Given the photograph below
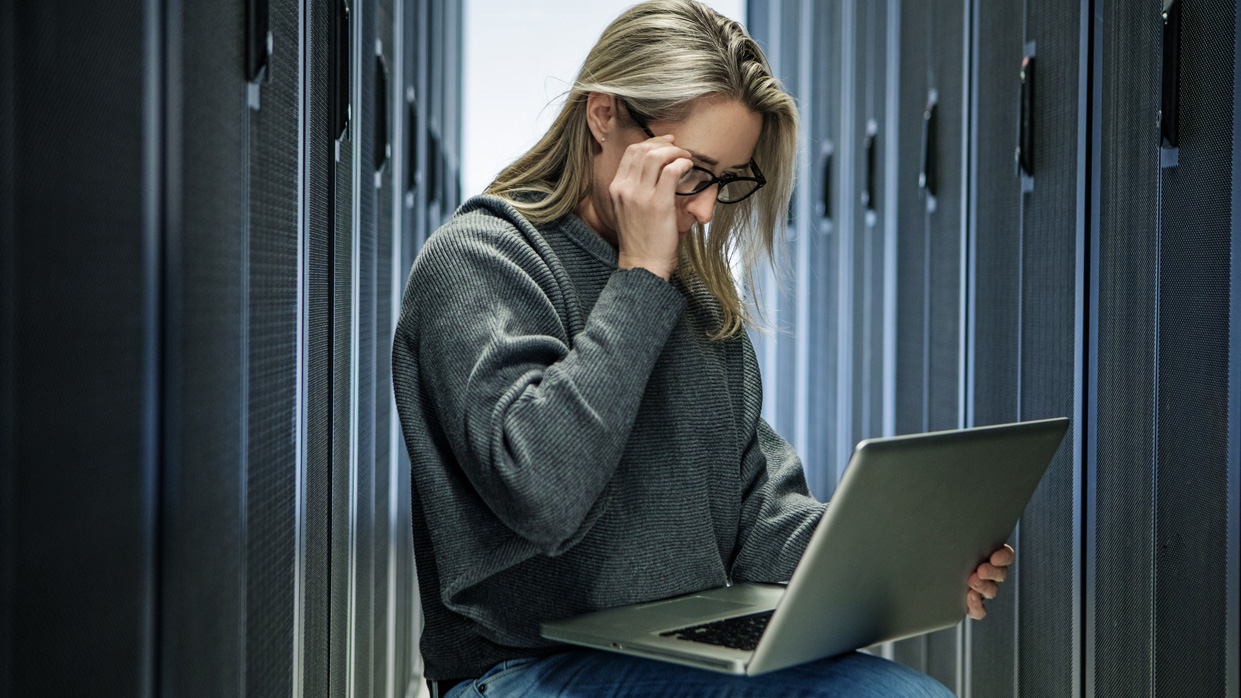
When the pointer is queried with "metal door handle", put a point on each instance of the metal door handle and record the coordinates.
(1170, 102)
(926, 179)
(383, 139)
(827, 185)
(868, 193)
(341, 110)
(258, 40)
(1025, 135)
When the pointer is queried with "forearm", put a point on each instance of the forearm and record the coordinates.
(543, 426)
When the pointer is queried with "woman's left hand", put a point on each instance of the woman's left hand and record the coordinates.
(984, 582)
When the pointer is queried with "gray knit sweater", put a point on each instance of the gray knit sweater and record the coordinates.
(576, 441)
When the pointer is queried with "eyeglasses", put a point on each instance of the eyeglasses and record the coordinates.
(732, 189)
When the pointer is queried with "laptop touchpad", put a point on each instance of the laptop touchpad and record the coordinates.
(696, 607)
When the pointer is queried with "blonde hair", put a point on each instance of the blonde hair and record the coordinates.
(659, 56)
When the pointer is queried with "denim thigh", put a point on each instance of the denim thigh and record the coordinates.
(583, 673)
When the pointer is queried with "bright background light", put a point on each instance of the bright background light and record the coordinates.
(519, 58)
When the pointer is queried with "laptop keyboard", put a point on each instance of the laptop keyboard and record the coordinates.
(739, 633)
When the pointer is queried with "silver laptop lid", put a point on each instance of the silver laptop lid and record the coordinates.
(912, 517)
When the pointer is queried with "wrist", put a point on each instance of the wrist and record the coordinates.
(662, 270)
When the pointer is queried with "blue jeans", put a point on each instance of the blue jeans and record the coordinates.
(583, 673)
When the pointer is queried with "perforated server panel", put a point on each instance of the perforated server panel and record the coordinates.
(1048, 624)
(1161, 465)
(824, 193)
(203, 554)
(930, 284)
(343, 389)
(272, 429)
(997, 263)
(869, 141)
(80, 278)
(320, 229)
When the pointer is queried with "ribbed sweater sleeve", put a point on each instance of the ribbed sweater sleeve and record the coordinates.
(778, 513)
(537, 416)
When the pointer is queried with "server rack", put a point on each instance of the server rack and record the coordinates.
(1027, 231)
(931, 248)
(821, 207)
(80, 361)
(1161, 330)
(203, 247)
(1065, 194)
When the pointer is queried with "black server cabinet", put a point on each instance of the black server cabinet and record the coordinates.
(930, 247)
(382, 58)
(996, 236)
(781, 295)
(410, 159)
(1162, 593)
(344, 17)
(361, 560)
(822, 218)
(79, 405)
(203, 553)
(799, 351)
(776, 25)
(1026, 320)
(869, 141)
(272, 425)
(323, 130)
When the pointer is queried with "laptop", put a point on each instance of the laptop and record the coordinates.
(912, 517)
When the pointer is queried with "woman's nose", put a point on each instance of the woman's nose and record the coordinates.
(701, 205)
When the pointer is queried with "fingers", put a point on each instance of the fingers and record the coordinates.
(973, 602)
(645, 167)
(645, 161)
(987, 588)
(672, 173)
(989, 571)
(1004, 556)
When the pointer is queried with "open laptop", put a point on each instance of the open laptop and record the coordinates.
(912, 517)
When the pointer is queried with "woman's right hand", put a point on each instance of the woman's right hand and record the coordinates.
(644, 204)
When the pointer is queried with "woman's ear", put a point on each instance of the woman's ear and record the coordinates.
(601, 115)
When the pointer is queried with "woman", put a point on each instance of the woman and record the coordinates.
(577, 391)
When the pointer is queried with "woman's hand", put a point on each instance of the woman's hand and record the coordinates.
(644, 204)
(984, 582)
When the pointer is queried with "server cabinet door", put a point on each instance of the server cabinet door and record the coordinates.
(1161, 466)
(273, 370)
(383, 59)
(79, 352)
(820, 255)
(931, 232)
(996, 233)
(869, 139)
(205, 352)
(321, 424)
(1027, 320)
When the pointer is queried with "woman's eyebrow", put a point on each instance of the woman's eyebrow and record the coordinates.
(715, 163)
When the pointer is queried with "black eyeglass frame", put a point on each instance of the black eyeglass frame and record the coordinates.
(723, 180)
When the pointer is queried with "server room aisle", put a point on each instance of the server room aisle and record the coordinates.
(1006, 210)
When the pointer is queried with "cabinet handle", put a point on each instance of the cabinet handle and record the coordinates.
(926, 179)
(258, 40)
(1025, 131)
(433, 167)
(383, 139)
(868, 193)
(411, 162)
(1170, 102)
(341, 110)
(827, 184)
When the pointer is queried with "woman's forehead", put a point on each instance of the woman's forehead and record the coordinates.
(719, 132)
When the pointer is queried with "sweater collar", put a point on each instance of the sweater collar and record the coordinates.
(586, 238)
